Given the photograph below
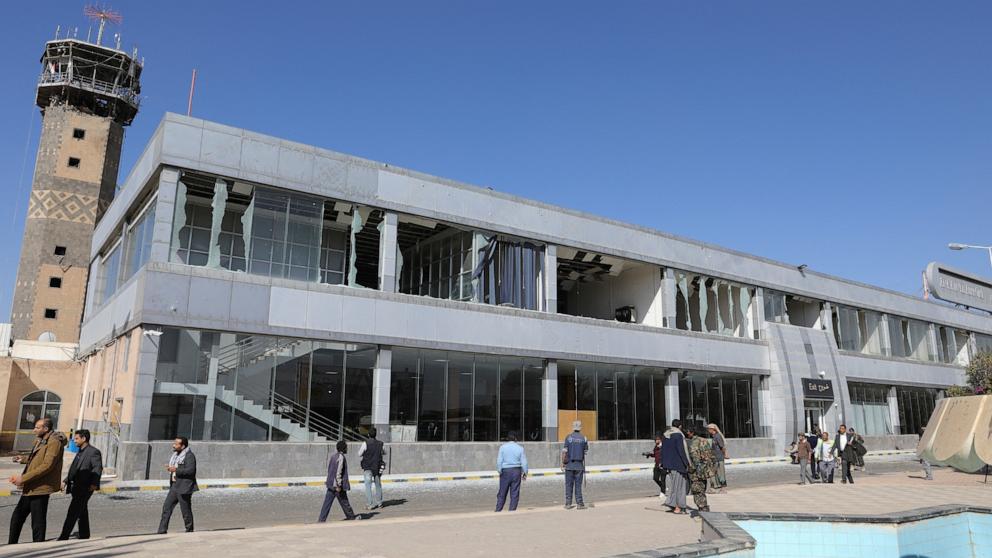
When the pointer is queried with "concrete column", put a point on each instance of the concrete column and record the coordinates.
(672, 397)
(886, 339)
(761, 406)
(208, 411)
(380, 392)
(827, 318)
(933, 343)
(972, 347)
(550, 281)
(758, 312)
(165, 208)
(669, 292)
(549, 401)
(893, 400)
(144, 386)
(387, 253)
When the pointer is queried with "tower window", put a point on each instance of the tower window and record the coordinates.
(60, 250)
(55, 282)
(78, 133)
(74, 162)
(51, 313)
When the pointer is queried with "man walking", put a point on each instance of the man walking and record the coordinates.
(804, 454)
(511, 465)
(719, 448)
(701, 466)
(337, 484)
(844, 447)
(675, 459)
(573, 461)
(40, 479)
(927, 468)
(825, 457)
(182, 485)
(371, 455)
(81, 482)
(814, 438)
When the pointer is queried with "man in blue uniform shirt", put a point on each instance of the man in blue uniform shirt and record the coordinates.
(511, 464)
(573, 462)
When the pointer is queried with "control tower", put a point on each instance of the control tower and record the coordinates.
(87, 93)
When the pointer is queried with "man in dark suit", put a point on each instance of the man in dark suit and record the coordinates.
(81, 482)
(182, 485)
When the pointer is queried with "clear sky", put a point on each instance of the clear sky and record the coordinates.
(853, 136)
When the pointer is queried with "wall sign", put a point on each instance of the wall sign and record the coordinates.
(818, 389)
(958, 287)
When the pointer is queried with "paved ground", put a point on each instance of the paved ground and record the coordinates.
(138, 512)
(611, 527)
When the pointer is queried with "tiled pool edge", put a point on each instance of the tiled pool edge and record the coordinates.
(721, 536)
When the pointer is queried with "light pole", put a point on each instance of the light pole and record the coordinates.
(957, 246)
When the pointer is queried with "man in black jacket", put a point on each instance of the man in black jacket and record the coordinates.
(182, 485)
(373, 464)
(81, 482)
(844, 447)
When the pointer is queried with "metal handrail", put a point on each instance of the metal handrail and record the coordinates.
(100, 86)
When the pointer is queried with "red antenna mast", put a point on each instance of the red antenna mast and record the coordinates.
(103, 14)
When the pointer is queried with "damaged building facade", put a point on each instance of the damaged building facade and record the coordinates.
(263, 297)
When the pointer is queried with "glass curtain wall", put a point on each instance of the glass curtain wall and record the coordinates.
(139, 242)
(870, 327)
(627, 402)
(508, 272)
(311, 387)
(723, 399)
(870, 409)
(915, 407)
(847, 328)
(438, 396)
(440, 266)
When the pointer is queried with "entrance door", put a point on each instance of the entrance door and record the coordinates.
(814, 416)
(34, 406)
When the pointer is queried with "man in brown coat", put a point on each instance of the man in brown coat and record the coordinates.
(41, 478)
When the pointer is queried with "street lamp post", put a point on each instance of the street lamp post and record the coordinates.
(957, 246)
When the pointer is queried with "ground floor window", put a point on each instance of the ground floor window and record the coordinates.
(723, 399)
(915, 407)
(613, 402)
(438, 396)
(176, 415)
(869, 409)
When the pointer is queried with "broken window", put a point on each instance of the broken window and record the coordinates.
(436, 259)
(442, 261)
(917, 338)
(265, 231)
(847, 330)
(870, 331)
(712, 305)
(608, 288)
(775, 308)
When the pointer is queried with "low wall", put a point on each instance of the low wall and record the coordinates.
(147, 460)
(892, 442)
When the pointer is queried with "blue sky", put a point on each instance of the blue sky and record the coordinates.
(852, 136)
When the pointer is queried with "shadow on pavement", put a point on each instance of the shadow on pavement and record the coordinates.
(71, 550)
(395, 502)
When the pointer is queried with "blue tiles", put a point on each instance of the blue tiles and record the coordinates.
(962, 535)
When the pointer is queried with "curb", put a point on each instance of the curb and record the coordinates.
(412, 479)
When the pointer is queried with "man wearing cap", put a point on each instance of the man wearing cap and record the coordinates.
(573, 462)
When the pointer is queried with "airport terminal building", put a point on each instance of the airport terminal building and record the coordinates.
(263, 297)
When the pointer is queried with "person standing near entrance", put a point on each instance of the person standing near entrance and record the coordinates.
(42, 477)
(804, 454)
(825, 457)
(675, 459)
(81, 482)
(182, 485)
(573, 461)
(511, 465)
(373, 464)
(844, 447)
(337, 485)
(718, 481)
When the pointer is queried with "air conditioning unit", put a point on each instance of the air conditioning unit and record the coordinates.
(626, 314)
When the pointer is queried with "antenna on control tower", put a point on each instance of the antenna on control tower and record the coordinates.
(103, 14)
